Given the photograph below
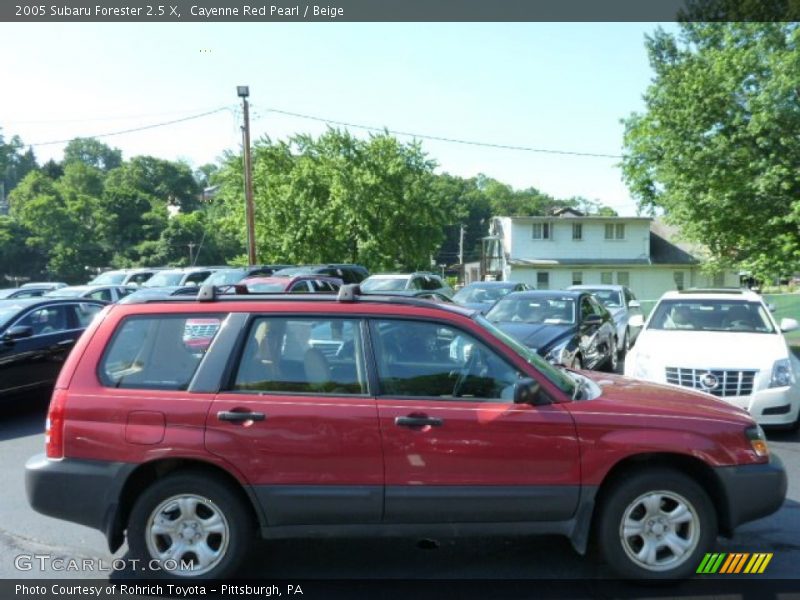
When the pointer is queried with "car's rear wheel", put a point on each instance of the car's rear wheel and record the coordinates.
(656, 525)
(190, 525)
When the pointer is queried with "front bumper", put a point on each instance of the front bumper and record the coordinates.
(772, 406)
(751, 491)
(76, 490)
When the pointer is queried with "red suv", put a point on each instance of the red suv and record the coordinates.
(322, 415)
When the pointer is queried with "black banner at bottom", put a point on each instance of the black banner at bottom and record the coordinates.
(418, 589)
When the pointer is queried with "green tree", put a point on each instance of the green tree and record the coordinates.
(92, 153)
(17, 258)
(15, 162)
(338, 198)
(718, 148)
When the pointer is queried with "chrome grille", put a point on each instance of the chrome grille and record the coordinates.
(719, 382)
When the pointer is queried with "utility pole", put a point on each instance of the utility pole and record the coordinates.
(244, 91)
(461, 269)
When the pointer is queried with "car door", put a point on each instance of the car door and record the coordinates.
(297, 421)
(34, 362)
(456, 448)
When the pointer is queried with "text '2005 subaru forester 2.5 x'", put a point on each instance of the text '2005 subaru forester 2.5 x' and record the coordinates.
(191, 426)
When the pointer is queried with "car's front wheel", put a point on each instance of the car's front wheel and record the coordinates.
(656, 525)
(190, 525)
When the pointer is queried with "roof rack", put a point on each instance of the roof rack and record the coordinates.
(347, 293)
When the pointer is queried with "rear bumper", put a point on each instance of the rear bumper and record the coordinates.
(752, 491)
(81, 491)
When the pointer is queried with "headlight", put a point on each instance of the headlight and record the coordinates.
(782, 374)
(758, 441)
(556, 353)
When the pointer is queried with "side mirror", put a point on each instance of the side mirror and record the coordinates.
(634, 304)
(789, 324)
(526, 391)
(771, 307)
(636, 321)
(17, 333)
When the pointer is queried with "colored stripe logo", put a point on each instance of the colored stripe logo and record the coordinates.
(734, 563)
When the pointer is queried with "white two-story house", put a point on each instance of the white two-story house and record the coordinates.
(569, 248)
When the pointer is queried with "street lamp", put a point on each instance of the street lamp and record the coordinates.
(243, 92)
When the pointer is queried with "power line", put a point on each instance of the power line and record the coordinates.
(440, 138)
(133, 130)
(96, 119)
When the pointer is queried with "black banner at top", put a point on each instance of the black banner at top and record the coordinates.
(397, 10)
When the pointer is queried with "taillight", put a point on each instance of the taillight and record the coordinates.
(54, 426)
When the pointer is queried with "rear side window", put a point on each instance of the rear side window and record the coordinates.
(309, 355)
(85, 312)
(160, 352)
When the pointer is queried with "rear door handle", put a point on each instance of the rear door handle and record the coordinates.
(235, 416)
(418, 421)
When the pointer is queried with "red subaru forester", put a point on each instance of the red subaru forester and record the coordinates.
(322, 415)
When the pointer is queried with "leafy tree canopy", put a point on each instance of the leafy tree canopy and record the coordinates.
(718, 147)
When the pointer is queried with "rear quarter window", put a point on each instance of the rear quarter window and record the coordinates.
(157, 351)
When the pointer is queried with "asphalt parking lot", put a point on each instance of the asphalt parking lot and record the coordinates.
(526, 561)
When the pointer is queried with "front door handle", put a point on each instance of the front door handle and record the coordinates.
(235, 416)
(418, 421)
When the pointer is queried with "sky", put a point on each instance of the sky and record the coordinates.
(554, 86)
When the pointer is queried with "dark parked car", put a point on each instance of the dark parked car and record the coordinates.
(625, 309)
(567, 328)
(36, 335)
(348, 273)
(481, 295)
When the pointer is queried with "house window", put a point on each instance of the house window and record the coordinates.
(678, 277)
(577, 278)
(623, 278)
(719, 280)
(542, 280)
(615, 231)
(542, 231)
(577, 231)
(606, 277)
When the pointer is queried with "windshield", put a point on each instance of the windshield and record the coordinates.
(384, 284)
(711, 315)
(549, 310)
(164, 279)
(609, 298)
(8, 310)
(226, 277)
(558, 377)
(109, 278)
(482, 295)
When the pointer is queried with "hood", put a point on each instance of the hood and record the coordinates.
(541, 336)
(710, 349)
(632, 396)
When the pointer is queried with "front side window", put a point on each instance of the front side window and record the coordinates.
(104, 294)
(417, 358)
(85, 312)
(160, 352)
(46, 320)
(311, 355)
(384, 284)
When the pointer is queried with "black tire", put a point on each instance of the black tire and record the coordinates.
(612, 360)
(648, 549)
(185, 503)
(624, 346)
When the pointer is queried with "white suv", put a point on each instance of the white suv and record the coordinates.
(725, 343)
